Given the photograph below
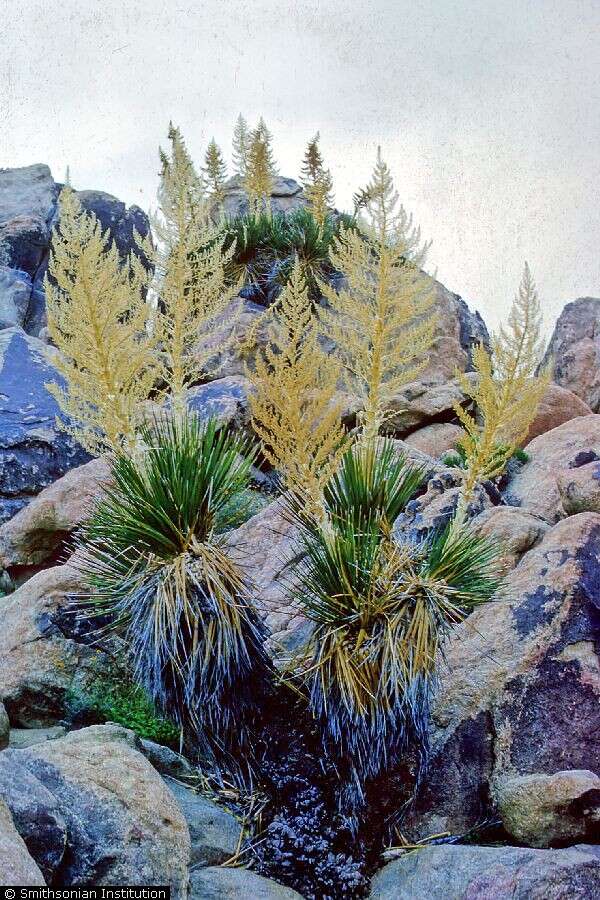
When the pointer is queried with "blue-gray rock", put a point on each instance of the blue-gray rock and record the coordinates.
(33, 452)
(28, 212)
(501, 873)
(225, 884)
(214, 833)
(574, 350)
(287, 195)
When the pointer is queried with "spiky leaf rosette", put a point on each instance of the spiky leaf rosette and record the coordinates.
(381, 612)
(160, 577)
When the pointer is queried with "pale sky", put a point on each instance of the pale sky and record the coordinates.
(488, 113)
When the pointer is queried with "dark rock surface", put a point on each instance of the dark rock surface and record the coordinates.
(35, 811)
(28, 212)
(33, 452)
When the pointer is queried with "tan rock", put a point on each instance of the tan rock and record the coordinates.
(535, 487)
(123, 824)
(515, 530)
(543, 810)
(16, 865)
(435, 439)
(38, 664)
(261, 546)
(418, 402)
(32, 536)
(558, 405)
(579, 488)
(574, 350)
(519, 684)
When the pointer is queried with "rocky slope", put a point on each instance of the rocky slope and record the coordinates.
(516, 722)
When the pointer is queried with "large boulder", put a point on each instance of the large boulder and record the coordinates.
(514, 530)
(33, 452)
(536, 485)
(27, 208)
(226, 884)
(519, 692)
(430, 399)
(40, 528)
(41, 667)
(28, 212)
(574, 350)
(286, 196)
(436, 439)
(116, 819)
(545, 810)
(457, 330)
(491, 873)
(262, 546)
(36, 813)
(557, 405)
(16, 865)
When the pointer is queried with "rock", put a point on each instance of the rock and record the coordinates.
(435, 439)
(421, 401)
(40, 528)
(457, 330)
(287, 195)
(15, 293)
(237, 321)
(115, 217)
(558, 405)
(225, 399)
(214, 833)
(491, 873)
(519, 685)
(535, 487)
(39, 666)
(574, 350)
(261, 547)
(165, 760)
(515, 530)
(16, 865)
(28, 212)
(36, 813)
(123, 825)
(545, 810)
(33, 452)
(4, 727)
(579, 488)
(21, 738)
(221, 884)
(27, 207)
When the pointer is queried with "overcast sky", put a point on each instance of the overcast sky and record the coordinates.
(487, 112)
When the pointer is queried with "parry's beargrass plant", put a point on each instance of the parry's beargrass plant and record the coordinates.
(381, 611)
(159, 576)
(506, 394)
